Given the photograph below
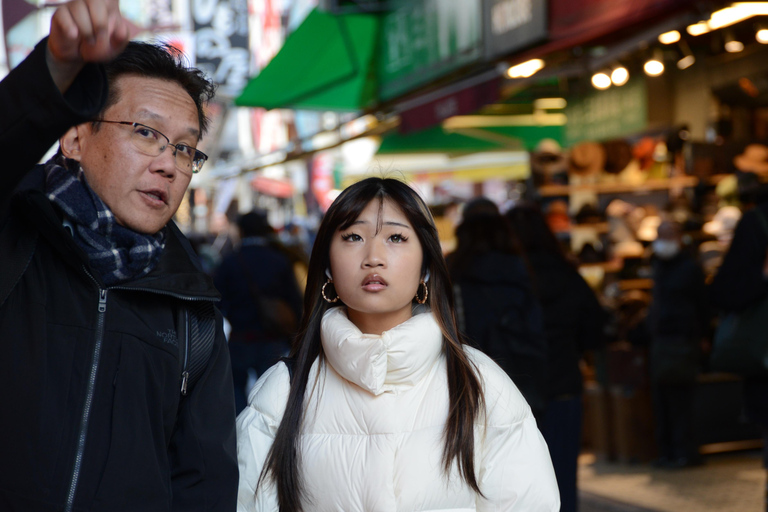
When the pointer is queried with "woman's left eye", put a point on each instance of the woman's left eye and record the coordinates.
(397, 238)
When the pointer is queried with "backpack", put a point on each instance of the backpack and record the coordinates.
(198, 320)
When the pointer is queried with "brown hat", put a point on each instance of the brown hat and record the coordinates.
(753, 159)
(587, 158)
(618, 154)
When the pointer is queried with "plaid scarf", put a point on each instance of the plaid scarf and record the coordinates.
(117, 253)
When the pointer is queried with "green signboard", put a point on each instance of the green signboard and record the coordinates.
(609, 114)
(424, 39)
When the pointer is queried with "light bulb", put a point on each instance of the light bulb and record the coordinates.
(601, 81)
(619, 76)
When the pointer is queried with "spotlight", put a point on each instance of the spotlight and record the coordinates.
(619, 76)
(687, 59)
(731, 44)
(655, 65)
(670, 37)
(601, 80)
(526, 69)
(762, 36)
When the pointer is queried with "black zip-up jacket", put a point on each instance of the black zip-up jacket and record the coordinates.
(90, 376)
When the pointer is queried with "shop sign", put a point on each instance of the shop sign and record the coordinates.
(576, 17)
(464, 101)
(426, 39)
(221, 33)
(604, 115)
(510, 25)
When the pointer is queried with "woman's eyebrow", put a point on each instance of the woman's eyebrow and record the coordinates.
(394, 223)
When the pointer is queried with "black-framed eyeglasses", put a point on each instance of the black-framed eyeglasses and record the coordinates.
(152, 142)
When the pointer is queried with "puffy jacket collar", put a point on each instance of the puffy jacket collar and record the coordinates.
(177, 274)
(393, 362)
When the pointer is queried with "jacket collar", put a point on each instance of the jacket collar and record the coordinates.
(178, 272)
(393, 362)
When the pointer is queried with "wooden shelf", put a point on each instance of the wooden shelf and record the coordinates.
(618, 188)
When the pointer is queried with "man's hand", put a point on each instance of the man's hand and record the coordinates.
(84, 31)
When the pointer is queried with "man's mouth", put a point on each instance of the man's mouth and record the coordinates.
(157, 195)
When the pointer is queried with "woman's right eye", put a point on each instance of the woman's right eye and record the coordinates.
(351, 237)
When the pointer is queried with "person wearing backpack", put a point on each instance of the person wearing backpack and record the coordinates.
(260, 298)
(573, 324)
(115, 376)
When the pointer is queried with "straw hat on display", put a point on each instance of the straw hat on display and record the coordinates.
(618, 154)
(587, 159)
(753, 159)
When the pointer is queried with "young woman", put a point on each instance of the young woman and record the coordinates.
(383, 407)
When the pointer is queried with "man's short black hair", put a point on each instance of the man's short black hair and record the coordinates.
(165, 62)
(254, 223)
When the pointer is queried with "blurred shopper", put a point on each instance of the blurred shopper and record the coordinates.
(112, 398)
(495, 303)
(573, 323)
(382, 406)
(677, 322)
(740, 282)
(260, 298)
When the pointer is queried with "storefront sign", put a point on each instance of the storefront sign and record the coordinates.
(221, 31)
(577, 17)
(604, 115)
(425, 39)
(509, 25)
(464, 101)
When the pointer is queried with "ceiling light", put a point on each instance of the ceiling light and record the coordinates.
(655, 65)
(732, 45)
(670, 37)
(526, 69)
(601, 80)
(549, 103)
(698, 29)
(619, 76)
(762, 36)
(687, 59)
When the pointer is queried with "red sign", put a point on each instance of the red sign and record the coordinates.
(569, 18)
(464, 101)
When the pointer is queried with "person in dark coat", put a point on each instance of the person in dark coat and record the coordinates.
(259, 267)
(677, 320)
(100, 410)
(497, 308)
(573, 324)
(741, 281)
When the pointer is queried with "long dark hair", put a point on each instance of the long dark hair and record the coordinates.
(464, 389)
(532, 231)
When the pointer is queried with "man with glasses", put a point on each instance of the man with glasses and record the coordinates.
(115, 375)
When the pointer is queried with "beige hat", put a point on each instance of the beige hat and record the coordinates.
(754, 159)
(587, 158)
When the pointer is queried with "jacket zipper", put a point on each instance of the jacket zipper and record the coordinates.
(88, 400)
(184, 372)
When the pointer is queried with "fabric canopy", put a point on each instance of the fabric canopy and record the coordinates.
(436, 139)
(325, 64)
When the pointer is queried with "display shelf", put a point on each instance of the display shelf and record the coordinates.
(618, 188)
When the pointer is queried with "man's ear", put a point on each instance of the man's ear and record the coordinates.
(70, 143)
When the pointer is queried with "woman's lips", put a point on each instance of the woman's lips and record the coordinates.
(374, 283)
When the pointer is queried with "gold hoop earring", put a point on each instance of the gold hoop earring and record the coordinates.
(322, 292)
(426, 293)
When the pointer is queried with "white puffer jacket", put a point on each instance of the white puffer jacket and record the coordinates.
(372, 438)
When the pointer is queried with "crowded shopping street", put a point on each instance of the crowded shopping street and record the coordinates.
(384, 255)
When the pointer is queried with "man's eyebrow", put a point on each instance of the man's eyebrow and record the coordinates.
(156, 117)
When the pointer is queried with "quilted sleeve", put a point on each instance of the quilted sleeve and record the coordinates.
(514, 467)
(256, 428)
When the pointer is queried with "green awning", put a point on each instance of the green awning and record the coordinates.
(325, 64)
(436, 139)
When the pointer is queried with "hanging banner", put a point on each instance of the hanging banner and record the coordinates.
(221, 34)
(510, 25)
(426, 39)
